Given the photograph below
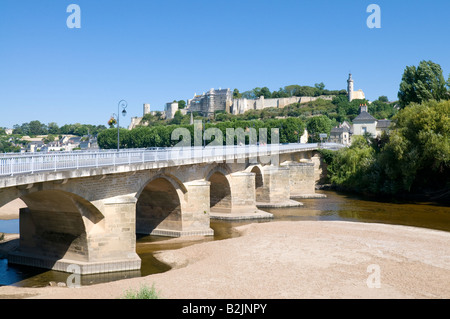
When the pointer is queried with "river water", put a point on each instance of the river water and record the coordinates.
(336, 206)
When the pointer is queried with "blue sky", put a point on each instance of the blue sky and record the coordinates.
(157, 51)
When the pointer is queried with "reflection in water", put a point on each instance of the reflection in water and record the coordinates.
(352, 208)
(335, 207)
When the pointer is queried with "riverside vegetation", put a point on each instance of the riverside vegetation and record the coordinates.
(414, 158)
(144, 292)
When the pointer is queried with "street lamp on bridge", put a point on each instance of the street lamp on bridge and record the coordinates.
(122, 104)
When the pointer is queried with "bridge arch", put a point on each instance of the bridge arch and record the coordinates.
(220, 189)
(259, 177)
(159, 205)
(56, 224)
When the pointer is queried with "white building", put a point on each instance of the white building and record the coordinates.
(340, 135)
(352, 94)
(364, 123)
(383, 126)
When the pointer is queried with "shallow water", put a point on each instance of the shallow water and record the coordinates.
(335, 207)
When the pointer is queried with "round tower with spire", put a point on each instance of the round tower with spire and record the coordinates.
(350, 87)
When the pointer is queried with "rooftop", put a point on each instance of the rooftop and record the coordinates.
(383, 123)
(364, 117)
(339, 130)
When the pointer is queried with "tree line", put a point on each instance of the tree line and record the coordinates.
(290, 130)
(415, 156)
(34, 128)
(288, 91)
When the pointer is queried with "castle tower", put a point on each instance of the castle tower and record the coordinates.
(146, 109)
(170, 109)
(350, 87)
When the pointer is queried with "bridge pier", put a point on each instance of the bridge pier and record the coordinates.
(302, 181)
(196, 213)
(276, 191)
(166, 208)
(242, 202)
(76, 235)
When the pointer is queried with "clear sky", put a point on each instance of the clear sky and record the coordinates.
(158, 51)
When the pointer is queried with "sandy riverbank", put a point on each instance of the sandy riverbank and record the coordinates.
(305, 259)
(11, 210)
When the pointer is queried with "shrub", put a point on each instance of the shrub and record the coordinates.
(143, 293)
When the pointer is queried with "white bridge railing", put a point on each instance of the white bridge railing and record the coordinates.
(26, 163)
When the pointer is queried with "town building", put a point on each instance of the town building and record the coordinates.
(383, 126)
(364, 123)
(340, 135)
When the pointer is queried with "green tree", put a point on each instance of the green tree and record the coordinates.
(53, 128)
(280, 94)
(249, 95)
(319, 88)
(177, 118)
(381, 109)
(383, 99)
(349, 166)
(262, 92)
(423, 83)
(181, 104)
(292, 129)
(49, 138)
(236, 94)
(305, 91)
(107, 139)
(37, 128)
(317, 125)
(418, 152)
(291, 90)
(8, 147)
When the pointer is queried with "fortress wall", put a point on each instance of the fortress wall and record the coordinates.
(240, 106)
(271, 103)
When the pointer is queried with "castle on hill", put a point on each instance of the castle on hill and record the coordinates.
(214, 100)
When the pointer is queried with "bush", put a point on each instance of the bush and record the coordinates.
(143, 293)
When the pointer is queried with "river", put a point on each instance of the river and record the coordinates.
(336, 206)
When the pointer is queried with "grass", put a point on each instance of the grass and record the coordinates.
(144, 292)
(2, 236)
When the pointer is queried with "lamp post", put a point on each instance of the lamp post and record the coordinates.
(204, 131)
(124, 105)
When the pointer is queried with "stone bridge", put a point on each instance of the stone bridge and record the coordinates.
(86, 208)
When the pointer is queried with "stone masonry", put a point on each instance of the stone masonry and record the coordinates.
(89, 217)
